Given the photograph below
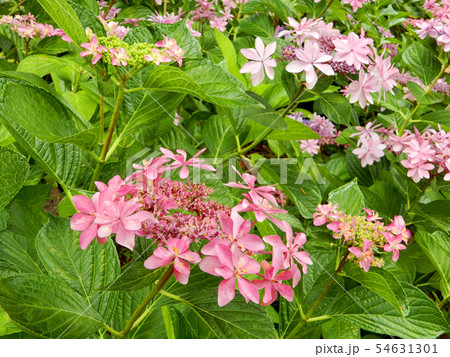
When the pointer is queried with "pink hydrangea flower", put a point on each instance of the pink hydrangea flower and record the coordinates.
(365, 255)
(83, 220)
(180, 160)
(324, 212)
(355, 4)
(272, 282)
(120, 217)
(157, 57)
(393, 245)
(119, 57)
(177, 251)
(220, 23)
(353, 50)
(260, 60)
(398, 228)
(307, 59)
(238, 231)
(419, 170)
(255, 193)
(94, 49)
(359, 91)
(370, 150)
(310, 146)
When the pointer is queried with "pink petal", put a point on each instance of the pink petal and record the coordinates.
(83, 204)
(210, 264)
(250, 54)
(80, 221)
(248, 290)
(226, 291)
(87, 236)
(285, 291)
(125, 237)
(154, 262)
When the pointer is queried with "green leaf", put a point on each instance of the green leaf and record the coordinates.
(282, 8)
(235, 320)
(349, 198)
(134, 277)
(294, 131)
(336, 107)
(441, 117)
(219, 136)
(365, 309)
(355, 169)
(21, 252)
(229, 52)
(257, 25)
(7, 327)
(203, 80)
(66, 18)
(42, 65)
(47, 307)
(436, 246)
(13, 173)
(422, 96)
(422, 62)
(83, 104)
(382, 283)
(383, 198)
(83, 270)
(437, 213)
(340, 330)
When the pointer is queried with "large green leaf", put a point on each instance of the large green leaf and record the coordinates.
(13, 173)
(364, 308)
(229, 52)
(41, 65)
(257, 25)
(21, 252)
(235, 320)
(83, 270)
(294, 131)
(422, 62)
(43, 116)
(66, 18)
(336, 107)
(219, 136)
(282, 8)
(437, 213)
(7, 327)
(203, 80)
(349, 198)
(437, 248)
(47, 307)
(340, 330)
(382, 283)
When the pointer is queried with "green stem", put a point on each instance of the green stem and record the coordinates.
(114, 332)
(237, 18)
(443, 302)
(109, 8)
(319, 300)
(146, 301)
(102, 118)
(319, 318)
(432, 176)
(323, 11)
(109, 135)
(165, 7)
(15, 7)
(77, 82)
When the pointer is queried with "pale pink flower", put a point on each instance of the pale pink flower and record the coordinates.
(261, 59)
(418, 170)
(238, 233)
(359, 91)
(385, 73)
(232, 266)
(180, 160)
(84, 219)
(393, 245)
(353, 50)
(157, 57)
(220, 23)
(119, 57)
(255, 193)
(307, 59)
(94, 49)
(120, 217)
(194, 33)
(177, 250)
(291, 251)
(261, 207)
(324, 212)
(365, 255)
(310, 146)
(418, 151)
(303, 30)
(272, 282)
(370, 150)
(444, 38)
(355, 4)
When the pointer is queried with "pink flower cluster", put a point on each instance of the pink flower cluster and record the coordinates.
(427, 154)
(165, 51)
(364, 235)
(27, 27)
(174, 215)
(438, 27)
(322, 126)
(319, 48)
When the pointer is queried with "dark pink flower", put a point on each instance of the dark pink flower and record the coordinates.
(180, 160)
